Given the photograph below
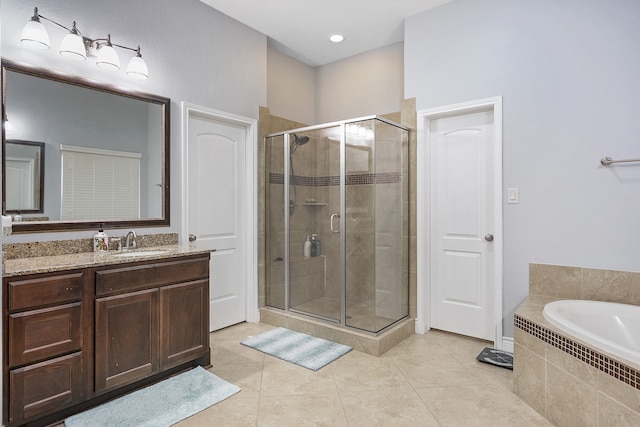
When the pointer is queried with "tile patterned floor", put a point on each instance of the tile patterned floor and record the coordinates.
(427, 380)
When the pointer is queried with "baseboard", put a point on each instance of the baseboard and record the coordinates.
(507, 344)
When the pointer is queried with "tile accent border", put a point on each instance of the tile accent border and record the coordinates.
(599, 361)
(327, 181)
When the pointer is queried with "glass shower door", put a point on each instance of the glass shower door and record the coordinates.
(376, 202)
(314, 200)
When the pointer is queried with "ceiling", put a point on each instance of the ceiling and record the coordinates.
(301, 28)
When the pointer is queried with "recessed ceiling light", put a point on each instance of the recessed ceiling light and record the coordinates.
(336, 38)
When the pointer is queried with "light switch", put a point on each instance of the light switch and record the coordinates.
(512, 196)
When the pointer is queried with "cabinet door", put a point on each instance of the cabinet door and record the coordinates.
(126, 338)
(44, 388)
(184, 321)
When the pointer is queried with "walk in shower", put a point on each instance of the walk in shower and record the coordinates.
(345, 187)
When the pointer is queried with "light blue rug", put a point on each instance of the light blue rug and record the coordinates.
(295, 347)
(160, 405)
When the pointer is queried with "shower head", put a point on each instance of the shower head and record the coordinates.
(298, 141)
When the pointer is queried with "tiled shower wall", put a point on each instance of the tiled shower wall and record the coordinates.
(391, 192)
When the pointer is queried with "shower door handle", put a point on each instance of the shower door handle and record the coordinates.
(333, 230)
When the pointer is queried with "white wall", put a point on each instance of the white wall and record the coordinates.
(290, 88)
(569, 72)
(194, 54)
(365, 84)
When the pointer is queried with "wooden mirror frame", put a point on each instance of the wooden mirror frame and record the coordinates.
(38, 180)
(53, 226)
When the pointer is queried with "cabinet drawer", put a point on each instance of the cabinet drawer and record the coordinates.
(40, 334)
(43, 388)
(39, 291)
(149, 275)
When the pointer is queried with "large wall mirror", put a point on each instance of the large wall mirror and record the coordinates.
(106, 152)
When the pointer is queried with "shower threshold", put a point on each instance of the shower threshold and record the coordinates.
(366, 342)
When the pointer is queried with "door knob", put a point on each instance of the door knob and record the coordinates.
(489, 237)
(192, 237)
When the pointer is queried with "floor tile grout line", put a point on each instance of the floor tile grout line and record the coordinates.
(413, 353)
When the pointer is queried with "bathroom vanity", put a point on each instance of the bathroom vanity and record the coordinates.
(81, 329)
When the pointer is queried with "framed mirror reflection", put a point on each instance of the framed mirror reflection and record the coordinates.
(106, 152)
(24, 172)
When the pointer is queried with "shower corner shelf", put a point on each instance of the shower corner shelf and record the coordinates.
(314, 204)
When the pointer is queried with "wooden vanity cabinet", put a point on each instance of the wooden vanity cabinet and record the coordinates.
(45, 337)
(149, 318)
(76, 338)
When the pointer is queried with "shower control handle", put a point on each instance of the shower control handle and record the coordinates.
(334, 230)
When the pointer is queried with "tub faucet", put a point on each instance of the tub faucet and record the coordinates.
(130, 241)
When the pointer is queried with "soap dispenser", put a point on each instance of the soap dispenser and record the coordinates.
(315, 245)
(100, 240)
(307, 247)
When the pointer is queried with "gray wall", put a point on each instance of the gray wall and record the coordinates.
(194, 54)
(569, 74)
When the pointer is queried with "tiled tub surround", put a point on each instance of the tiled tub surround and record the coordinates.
(568, 381)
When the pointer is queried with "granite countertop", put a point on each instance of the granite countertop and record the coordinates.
(51, 263)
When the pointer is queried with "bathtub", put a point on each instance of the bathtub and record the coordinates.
(612, 327)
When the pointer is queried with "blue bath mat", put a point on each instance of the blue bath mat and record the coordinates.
(302, 349)
(160, 405)
(504, 359)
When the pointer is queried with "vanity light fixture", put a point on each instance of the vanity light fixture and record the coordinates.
(34, 34)
(107, 56)
(73, 46)
(76, 46)
(137, 68)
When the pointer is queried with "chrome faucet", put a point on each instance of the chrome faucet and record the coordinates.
(130, 241)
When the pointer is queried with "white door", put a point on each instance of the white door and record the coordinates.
(461, 226)
(216, 169)
(19, 176)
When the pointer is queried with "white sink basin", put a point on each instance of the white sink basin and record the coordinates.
(135, 254)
